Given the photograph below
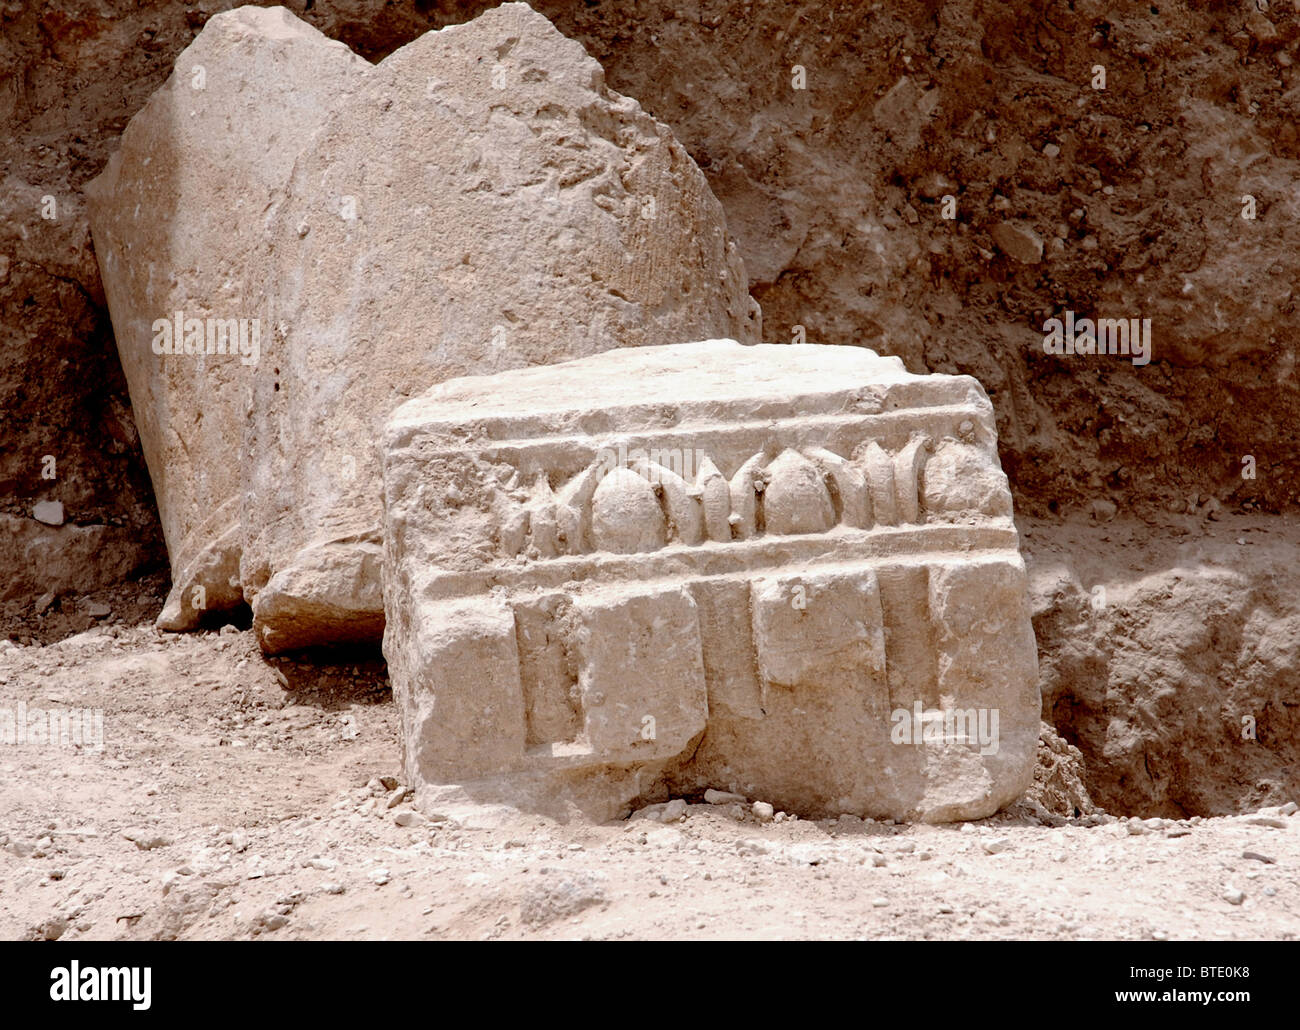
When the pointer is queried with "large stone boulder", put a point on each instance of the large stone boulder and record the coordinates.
(786, 571)
(477, 201)
(176, 215)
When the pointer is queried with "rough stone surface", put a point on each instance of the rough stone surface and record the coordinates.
(481, 203)
(176, 214)
(1018, 241)
(559, 897)
(59, 559)
(1169, 657)
(477, 201)
(728, 568)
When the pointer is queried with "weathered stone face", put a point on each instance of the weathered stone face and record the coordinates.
(176, 215)
(477, 201)
(785, 571)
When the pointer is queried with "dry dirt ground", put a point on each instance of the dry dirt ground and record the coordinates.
(236, 798)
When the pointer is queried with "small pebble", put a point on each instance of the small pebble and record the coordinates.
(674, 811)
(49, 512)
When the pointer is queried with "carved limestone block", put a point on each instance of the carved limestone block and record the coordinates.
(787, 571)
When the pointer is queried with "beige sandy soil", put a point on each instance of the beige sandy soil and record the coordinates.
(237, 799)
